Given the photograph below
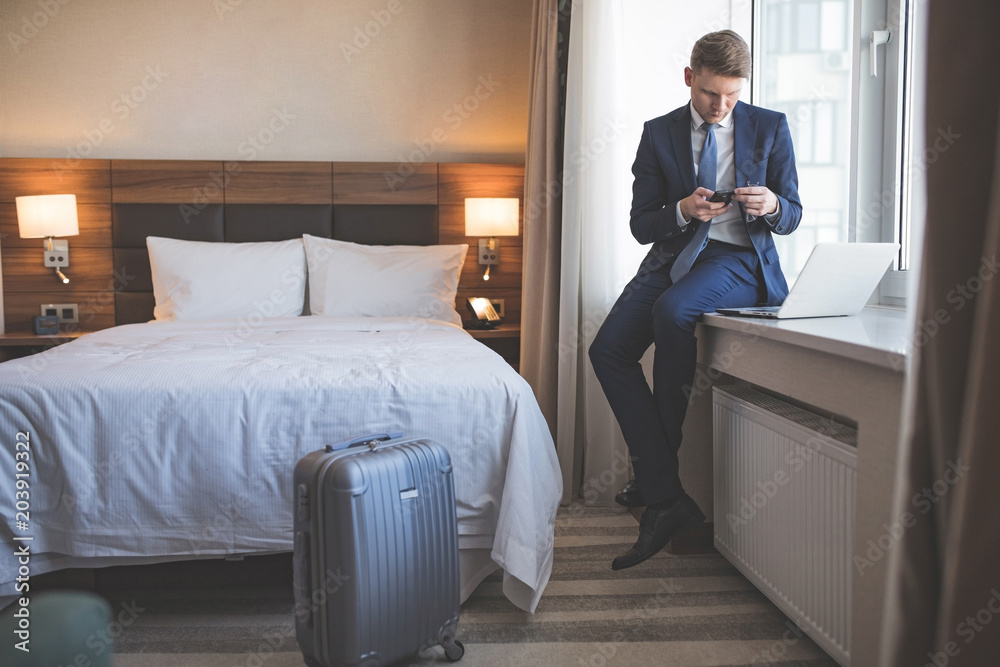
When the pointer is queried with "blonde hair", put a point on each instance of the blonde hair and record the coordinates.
(723, 53)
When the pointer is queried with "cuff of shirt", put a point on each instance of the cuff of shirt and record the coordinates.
(681, 222)
(772, 218)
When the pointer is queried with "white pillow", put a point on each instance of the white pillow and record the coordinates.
(347, 279)
(195, 280)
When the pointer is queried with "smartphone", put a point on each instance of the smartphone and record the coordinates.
(724, 196)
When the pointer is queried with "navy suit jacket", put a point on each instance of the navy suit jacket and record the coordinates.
(664, 174)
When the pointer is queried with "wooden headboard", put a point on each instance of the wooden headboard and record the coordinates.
(119, 202)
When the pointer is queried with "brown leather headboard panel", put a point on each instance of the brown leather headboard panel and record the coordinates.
(132, 223)
(405, 224)
(133, 307)
(132, 265)
(277, 222)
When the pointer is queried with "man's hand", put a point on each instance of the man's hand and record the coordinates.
(757, 200)
(696, 205)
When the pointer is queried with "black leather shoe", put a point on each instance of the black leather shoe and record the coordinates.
(630, 496)
(657, 527)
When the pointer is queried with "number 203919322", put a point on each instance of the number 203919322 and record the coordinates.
(22, 473)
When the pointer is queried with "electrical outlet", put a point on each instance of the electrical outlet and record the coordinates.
(68, 313)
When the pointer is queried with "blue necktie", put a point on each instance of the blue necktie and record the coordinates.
(707, 166)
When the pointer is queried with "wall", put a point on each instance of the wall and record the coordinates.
(366, 80)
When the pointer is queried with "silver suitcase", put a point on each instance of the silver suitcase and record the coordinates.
(376, 552)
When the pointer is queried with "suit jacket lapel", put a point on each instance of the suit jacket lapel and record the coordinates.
(680, 136)
(744, 131)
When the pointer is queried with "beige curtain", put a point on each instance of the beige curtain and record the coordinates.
(943, 593)
(543, 212)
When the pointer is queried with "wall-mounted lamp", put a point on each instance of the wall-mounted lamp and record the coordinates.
(46, 216)
(492, 218)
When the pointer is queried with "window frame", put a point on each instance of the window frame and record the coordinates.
(880, 151)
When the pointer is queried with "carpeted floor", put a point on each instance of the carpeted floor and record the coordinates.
(692, 610)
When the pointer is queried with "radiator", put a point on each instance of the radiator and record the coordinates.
(784, 508)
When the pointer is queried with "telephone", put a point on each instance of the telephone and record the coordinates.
(485, 314)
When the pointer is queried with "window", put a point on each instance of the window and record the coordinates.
(852, 131)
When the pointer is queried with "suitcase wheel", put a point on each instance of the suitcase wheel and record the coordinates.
(453, 649)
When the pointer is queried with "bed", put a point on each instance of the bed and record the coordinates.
(176, 438)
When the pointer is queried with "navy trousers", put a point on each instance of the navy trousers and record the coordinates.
(654, 311)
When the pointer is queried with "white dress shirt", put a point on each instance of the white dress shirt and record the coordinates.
(728, 227)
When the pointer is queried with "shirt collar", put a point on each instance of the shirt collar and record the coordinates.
(697, 120)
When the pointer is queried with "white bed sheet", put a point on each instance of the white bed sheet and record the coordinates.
(178, 439)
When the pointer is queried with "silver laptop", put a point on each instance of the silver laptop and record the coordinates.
(837, 279)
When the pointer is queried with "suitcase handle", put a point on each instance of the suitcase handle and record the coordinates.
(371, 440)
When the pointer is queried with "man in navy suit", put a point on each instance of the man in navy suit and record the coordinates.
(705, 255)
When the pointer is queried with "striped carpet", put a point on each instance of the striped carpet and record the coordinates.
(694, 610)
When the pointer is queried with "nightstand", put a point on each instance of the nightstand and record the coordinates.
(505, 340)
(24, 343)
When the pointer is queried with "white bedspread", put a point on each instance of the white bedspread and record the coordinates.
(178, 439)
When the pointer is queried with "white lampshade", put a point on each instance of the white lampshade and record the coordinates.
(491, 217)
(47, 215)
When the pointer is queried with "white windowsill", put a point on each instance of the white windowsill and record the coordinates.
(877, 336)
